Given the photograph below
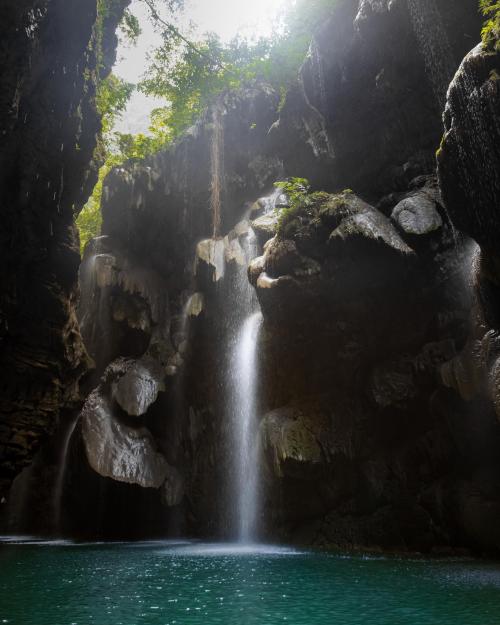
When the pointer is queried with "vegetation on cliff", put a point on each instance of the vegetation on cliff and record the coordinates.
(188, 76)
(491, 30)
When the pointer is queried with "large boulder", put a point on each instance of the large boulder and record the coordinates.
(117, 451)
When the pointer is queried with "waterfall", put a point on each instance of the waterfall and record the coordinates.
(434, 45)
(245, 427)
(239, 385)
(217, 169)
(319, 76)
(61, 475)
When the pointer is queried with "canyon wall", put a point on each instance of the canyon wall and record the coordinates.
(49, 125)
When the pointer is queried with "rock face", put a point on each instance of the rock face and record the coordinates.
(468, 167)
(469, 158)
(391, 57)
(49, 126)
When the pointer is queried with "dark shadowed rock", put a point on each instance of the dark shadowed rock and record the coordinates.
(469, 157)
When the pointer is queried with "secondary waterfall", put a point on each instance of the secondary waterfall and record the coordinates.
(61, 475)
(434, 45)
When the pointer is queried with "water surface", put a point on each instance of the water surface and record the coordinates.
(160, 583)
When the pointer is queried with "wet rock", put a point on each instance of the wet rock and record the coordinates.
(365, 221)
(117, 451)
(469, 157)
(210, 253)
(265, 227)
(290, 435)
(133, 311)
(137, 390)
(255, 269)
(282, 257)
(393, 383)
(173, 489)
(105, 270)
(234, 253)
(196, 305)
(417, 214)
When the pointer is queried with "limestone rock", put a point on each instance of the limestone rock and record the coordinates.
(265, 227)
(417, 214)
(138, 388)
(255, 269)
(105, 269)
(289, 434)
(365, 221)
(117, 451)
(211, 253)
(196, 305)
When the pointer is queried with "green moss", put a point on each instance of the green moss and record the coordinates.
(309, 211)
(491, 28)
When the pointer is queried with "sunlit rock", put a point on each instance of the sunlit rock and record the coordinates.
(242, 228)
(365, 221)
(211, 253)
(417, 214)
(105, 270)
(195, 305)
(234, 252)
(255, 269)
(117, 451)
(265, 227)
(138, 389)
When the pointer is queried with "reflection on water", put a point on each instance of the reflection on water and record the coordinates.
(186, 583)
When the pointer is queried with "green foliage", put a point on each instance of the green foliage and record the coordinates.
(300, 200)
(191, 76)
(188, 76)
(308, 211)
(491, 28)
(112, 98)
(130, 27)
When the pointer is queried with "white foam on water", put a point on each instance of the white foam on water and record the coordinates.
(232, 549)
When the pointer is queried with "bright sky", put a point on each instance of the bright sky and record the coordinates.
(227, 18)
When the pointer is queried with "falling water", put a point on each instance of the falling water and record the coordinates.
(61, 475)
(245, 427)
(319, 76)
(240, 381)
(217, 169)
(434, 45)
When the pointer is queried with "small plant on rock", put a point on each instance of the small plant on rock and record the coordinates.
(491, 28)
(302, 208)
